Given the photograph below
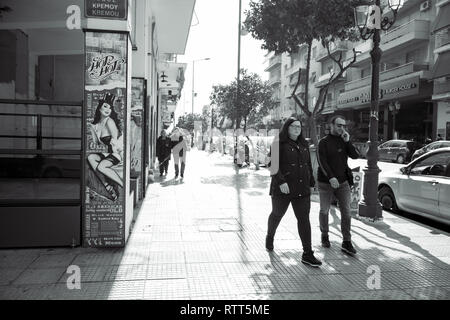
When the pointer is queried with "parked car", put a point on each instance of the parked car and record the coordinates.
(422, 187)
(399, 151)
(431, 146)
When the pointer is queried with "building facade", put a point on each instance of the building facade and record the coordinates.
(85, 89)
(413, 94)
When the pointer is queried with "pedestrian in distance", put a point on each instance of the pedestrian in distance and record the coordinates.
(179, 150)
(292, 180)
(163, 151)
(335, 179)
(439, 137)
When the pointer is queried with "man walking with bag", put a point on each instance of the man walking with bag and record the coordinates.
(335, 179)
(163, 150)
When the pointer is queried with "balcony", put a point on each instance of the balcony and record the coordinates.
(408, 34)
(323, 79)
(339, 46)
(390, 74)
(441, 88)
(273, 81)
(274, 62)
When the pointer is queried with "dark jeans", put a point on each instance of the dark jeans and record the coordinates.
(163, 166)
(343, 197)
(301, 208)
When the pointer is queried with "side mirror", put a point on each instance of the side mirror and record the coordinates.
(405, 170)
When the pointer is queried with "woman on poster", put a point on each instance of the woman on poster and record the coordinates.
(105, 129)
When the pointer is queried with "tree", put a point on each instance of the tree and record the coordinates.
(255, 100)
(283, 25)
(187, 121)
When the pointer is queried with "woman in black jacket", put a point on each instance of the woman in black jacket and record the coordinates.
(292, 178)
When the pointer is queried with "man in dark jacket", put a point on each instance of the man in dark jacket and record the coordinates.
(292, 178)
(163, 149)
(335, 178)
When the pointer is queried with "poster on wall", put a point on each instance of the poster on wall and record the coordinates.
(137, 109)
(105, 109)
(356, 192)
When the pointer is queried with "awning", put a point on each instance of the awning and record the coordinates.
(442, 66)
(442, 19)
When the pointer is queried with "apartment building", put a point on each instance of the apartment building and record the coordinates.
(413, 95)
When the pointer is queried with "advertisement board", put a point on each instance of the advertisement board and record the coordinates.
(105, 132)
(356, 191)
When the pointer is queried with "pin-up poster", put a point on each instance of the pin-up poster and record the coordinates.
(137, 109)
(105, 96)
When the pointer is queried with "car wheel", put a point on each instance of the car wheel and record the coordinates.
(387, 199)
(400, 159)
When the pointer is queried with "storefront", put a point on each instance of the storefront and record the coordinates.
(78, 117)
(405, 109)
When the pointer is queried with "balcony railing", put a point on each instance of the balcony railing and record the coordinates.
(415, 29)
(274, 80)
(273, 62)
(386, 75)
(441, 87)
(397, 38)
(442, 38)
(334, 47)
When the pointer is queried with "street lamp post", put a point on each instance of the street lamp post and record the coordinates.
(193, 78)
(369, 20)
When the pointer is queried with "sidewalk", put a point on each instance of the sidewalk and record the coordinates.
(203, 238)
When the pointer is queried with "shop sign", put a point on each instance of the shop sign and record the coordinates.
(105, 139)
(388, 91)
(106, 9)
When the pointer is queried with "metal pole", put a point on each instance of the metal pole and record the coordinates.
(193, 70)
(238, 78)
(370, 206)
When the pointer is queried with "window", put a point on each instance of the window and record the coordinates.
(314, 52)
(435, 165)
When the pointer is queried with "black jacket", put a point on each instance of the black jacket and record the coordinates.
(294, 168)
(163, 148)
(332, 155)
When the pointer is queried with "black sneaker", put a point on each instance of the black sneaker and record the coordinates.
(347, 247)
(269, 243)
(309, 259)
(325, 241)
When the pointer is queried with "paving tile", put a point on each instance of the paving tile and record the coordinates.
(52, 261)
(429, 293)
(375, 295)
(26, 292)
(205, 270)
(210, 286)
(8, 275)
(127, 290)
(126, 273)
(166, 257)
(88, 274)
(417, 264)
(331, 282)
(166, 271)
(39, 276)
(438, 277)
(87, 291)
(406, 279)
(16, 260)
(98, 259)
(293, 284)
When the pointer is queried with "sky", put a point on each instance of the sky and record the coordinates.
(214, 35)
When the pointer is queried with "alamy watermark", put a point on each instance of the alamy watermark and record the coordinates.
(374, 280)
(74, 280)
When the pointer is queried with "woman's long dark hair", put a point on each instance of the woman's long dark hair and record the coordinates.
(113, 115)
(283, 136)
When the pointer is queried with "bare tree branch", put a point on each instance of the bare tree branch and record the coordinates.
(322, 105)
(296, 99)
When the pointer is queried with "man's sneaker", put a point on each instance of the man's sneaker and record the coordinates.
(309, 259)
(347, 247)
(269, 243)
(325, 242)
